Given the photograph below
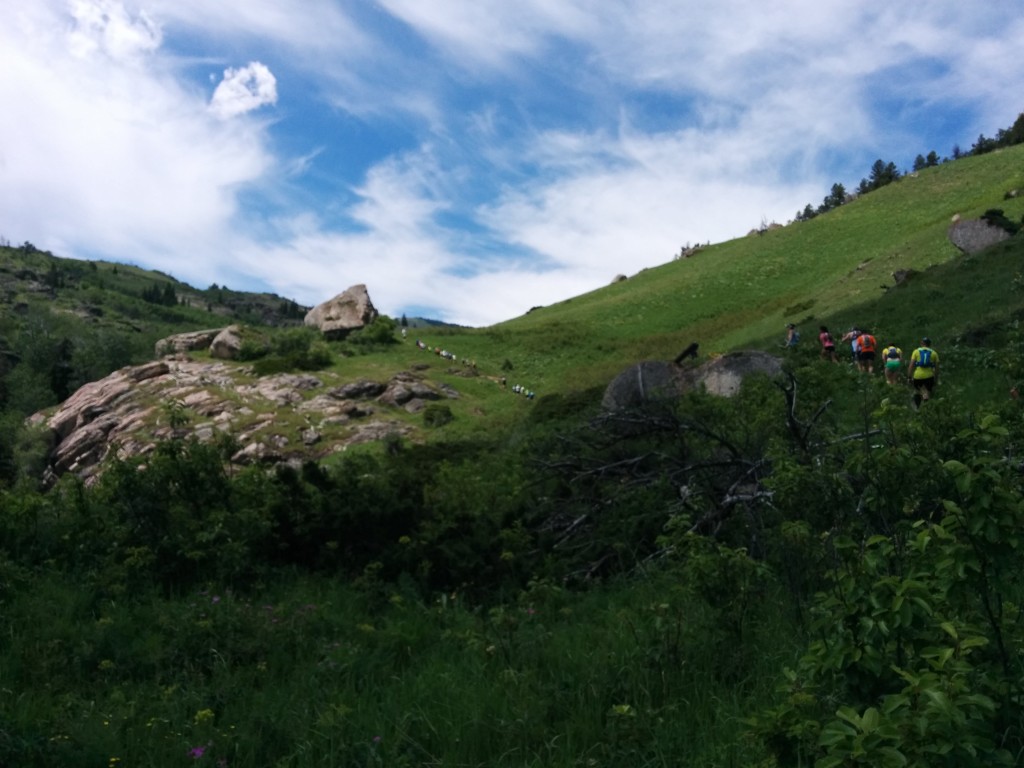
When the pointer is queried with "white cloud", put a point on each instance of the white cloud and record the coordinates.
(107, 26)
(111, 154)
(480, 158)
(243, 90)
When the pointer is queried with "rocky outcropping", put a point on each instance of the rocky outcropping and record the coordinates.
(186, 342)
(653, 380)
(281, 418)
(346, 312)
(974, 235)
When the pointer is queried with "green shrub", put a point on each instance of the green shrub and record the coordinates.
(437, 415)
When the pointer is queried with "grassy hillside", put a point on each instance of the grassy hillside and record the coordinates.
(742, 292)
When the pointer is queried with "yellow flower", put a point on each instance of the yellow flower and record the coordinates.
(204, 716)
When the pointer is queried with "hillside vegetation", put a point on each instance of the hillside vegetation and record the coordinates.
(809, 573)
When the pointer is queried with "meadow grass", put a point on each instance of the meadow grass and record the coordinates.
(313, 672)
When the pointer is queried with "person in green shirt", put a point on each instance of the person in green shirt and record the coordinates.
(924, 371)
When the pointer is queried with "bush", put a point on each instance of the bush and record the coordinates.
(380, 332)
(436, 415)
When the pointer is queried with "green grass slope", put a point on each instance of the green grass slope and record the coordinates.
(741, 292)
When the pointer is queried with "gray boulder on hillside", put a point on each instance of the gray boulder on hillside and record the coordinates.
(975, 235)
(654, 380)
(348, 311)
(227, 343)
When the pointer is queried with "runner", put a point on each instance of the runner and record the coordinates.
(828, 345)
(866, 352)
(924, 371)
(893, 357)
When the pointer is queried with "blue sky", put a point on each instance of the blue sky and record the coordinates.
(469, 159)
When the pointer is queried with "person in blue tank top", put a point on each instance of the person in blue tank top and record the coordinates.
(924, 370)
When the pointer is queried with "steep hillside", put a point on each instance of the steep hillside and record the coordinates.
(733, 294)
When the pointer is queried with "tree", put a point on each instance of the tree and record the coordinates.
(806, 214)
(1015, 135)
(983, 145)
(61, 370)
(835, 198)
(920, 163)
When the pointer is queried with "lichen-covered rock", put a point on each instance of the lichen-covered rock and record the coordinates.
(227, 344)
(405, 387)
(186, 342)
(279, 419)
(348, 311)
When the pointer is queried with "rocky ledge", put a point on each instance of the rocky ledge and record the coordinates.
(284, 418)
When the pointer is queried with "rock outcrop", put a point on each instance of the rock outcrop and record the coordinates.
(186, 342)
(654, 380)
(346, 312)
(284, 418)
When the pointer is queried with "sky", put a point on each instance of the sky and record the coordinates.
(467, 160)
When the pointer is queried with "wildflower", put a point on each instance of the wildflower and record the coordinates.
(215, 599)
(204, 716)
(196, 752)
(376, 739)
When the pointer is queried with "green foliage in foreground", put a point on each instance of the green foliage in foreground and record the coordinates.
(726, 582)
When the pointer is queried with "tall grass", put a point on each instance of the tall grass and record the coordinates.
(310, 672)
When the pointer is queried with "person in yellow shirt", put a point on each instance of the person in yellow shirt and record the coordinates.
(893, 357)
(924, 371)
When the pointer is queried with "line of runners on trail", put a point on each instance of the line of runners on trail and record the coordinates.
(517, 389)
(923, 365)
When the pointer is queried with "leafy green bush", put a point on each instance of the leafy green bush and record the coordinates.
(437, 415)
(295, 349)
(381, 332)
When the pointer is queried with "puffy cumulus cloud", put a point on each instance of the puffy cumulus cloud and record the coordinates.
(243, 90)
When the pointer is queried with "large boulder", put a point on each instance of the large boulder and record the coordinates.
(348, 311)
(723, 375)
(186, 342)
(227, 344)
(654, 380)
(974, 235)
